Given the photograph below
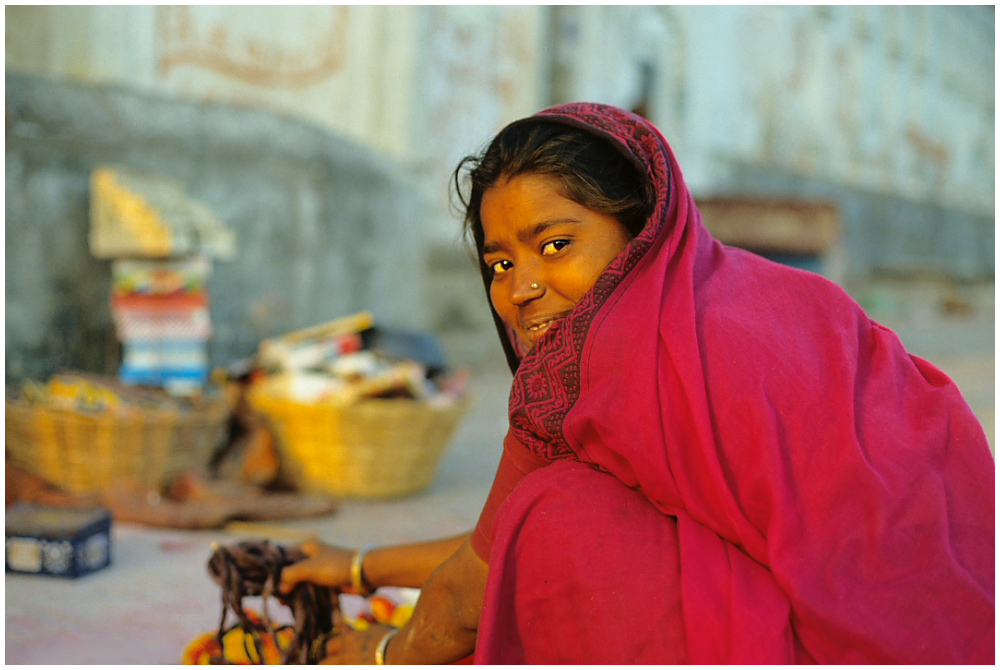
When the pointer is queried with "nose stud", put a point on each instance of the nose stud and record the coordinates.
(534, 287)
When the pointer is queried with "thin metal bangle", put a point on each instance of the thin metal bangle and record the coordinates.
(380, 649)
(357, 567)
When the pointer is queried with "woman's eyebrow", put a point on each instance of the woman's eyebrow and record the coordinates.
(528, 234)
(491, 248)
(541, 227)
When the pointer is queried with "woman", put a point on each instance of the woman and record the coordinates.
(711, 458)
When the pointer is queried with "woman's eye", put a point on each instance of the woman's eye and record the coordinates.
(554, 246)
(500, 266)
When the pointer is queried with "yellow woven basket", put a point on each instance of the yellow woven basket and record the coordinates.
(83, 452)
(376, 448)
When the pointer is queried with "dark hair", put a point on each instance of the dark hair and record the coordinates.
(593, 173)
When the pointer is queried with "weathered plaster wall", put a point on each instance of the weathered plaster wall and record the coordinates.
(891, 102)
(897, 99)
(424, 85)
(887, 111)
(315, 63)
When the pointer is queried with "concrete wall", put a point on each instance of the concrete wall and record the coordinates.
(421, 85)
(888, 111)
(895, 100)
(325, 135)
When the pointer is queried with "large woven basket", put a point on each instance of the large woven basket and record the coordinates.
(376, 448)
(82, 452)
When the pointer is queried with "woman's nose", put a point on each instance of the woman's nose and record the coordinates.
(526, 286)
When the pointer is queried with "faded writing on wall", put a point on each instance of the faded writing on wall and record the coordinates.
(250, 51)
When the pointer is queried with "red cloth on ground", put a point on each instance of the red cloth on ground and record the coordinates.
(833, 495)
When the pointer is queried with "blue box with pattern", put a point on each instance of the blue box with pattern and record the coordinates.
(56, 541)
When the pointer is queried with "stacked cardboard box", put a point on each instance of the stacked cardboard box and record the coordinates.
(160, 311)
(160, 241)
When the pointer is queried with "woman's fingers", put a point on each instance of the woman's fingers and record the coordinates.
(317, 570)
(293, 574)
(327, 568)
(312, 547)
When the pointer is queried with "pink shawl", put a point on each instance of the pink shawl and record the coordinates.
(834, 495)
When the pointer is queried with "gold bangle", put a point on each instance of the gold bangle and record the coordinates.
(357, 577)
(380, 649)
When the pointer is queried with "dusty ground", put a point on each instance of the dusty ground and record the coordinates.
(157, 595)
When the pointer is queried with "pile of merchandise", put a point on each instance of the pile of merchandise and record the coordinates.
(160, 311)
(160, 241)
(347, 360)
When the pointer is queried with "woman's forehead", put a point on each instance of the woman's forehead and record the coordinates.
(525, 200)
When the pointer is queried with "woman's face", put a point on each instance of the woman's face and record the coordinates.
(545, 251)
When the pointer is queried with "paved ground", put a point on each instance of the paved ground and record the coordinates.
(157, 595)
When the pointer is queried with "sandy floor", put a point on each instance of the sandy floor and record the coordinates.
(157, 595)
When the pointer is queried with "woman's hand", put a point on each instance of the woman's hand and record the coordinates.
(446, 618)
(327, 565)
(401, 565)
(355, 647)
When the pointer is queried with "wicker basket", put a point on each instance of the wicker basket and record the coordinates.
(83, 452)
(376, 448)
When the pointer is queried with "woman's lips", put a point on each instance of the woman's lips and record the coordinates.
(534, 329)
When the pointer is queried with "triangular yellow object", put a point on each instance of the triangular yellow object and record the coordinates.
(134, 215)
